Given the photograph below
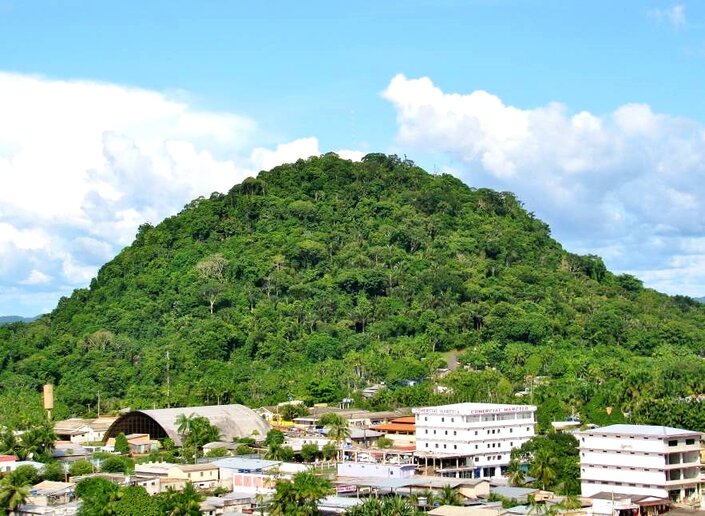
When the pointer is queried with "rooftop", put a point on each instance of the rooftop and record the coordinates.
(513, 492)
(419, 481)
(196, 467)
(244, 465)
(49, 487)
(395, 427)
(643, 430)
(473, 408)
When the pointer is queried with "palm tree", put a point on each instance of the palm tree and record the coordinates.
(389, 506)
(542, 468)
(398, 506)
(181, 503)
(448, 496)
(571, 502)
(201, 432)
(515, 473)
(183, 423)
(338, 429)
(9, 444)
(299, 496)
(38, 441)
(12, 493)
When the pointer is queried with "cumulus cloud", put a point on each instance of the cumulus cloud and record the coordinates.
(83, 164)
(628, 185)
(36, 278)
(674, 15)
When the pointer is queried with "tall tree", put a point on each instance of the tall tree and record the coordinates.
(300, 496)
(211, 270)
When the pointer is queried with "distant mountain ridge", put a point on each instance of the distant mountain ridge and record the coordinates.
(7, 319)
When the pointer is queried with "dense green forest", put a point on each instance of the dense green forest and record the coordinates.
(319, 278)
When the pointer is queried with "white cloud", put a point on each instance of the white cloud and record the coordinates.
(675, 15)
(83, 164)
(352, 155)
(264, 159)
(36, 278)
(629, 185)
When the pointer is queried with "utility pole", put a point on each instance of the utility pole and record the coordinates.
(168, 382)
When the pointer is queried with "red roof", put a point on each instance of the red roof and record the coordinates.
(404, 420)
(394, 427)
(7, 458)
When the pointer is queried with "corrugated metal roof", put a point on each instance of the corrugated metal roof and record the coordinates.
(231, 420)
(395, 427)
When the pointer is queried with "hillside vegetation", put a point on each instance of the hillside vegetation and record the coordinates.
(319, 278)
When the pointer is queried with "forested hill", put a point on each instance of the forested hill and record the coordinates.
(319, 278)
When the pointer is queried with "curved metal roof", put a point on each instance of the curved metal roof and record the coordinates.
(231, 420)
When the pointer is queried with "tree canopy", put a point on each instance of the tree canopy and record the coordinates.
(319, 278)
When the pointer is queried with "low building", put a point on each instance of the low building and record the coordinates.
(617, 504)
(375, 470)
(139, 444)
(7, 463)
(50, 493)
(202, 476)
(77, 430)
(356, 418)
(476, 439)
(248, 475)
(641, 460)
(401, 430)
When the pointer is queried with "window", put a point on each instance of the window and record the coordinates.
(673, 443)
(475, 432)
(436, 445)
(476, 446)
(426, 445)
(455, 446)
(689, 441)
(425, 418)
(444, 447)
(455, 433)
(446, 432)
(443, 420)
(426, 431)
(511, 430)
(477, 459)
(452, 420)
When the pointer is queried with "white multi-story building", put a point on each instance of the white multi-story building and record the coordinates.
(480, 435)
(641, 460)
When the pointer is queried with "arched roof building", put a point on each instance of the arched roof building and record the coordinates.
(231, 420)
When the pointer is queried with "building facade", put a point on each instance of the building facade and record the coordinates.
(480, 436)
(656, 461)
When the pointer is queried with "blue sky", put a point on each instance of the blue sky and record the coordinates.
(591, 112)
